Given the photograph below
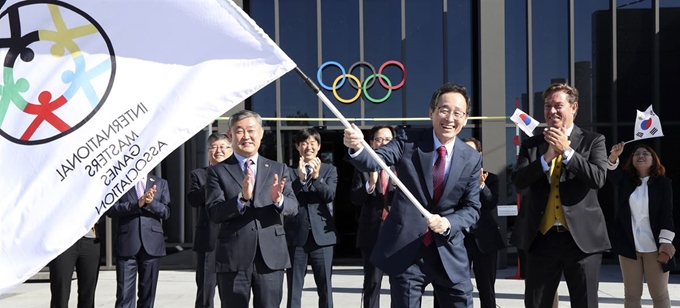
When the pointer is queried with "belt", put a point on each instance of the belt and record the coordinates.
(559, 229)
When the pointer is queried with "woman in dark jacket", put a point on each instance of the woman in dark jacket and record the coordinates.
(643, 227)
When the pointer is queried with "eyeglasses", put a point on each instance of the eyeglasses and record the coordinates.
(446, 112)
(222, 147)
(381, 140)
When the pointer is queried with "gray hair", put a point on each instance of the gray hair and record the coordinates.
(242, 115)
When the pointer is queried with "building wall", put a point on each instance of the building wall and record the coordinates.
(619, 64)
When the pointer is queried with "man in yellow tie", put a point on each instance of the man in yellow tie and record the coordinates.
(560, 172)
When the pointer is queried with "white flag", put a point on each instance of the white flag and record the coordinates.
(94, 94)
(526, 123)
(647, 125)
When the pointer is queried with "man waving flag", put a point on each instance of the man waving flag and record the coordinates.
(647, 125)
(94, 94)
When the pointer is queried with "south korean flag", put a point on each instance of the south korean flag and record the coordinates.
(647, 125)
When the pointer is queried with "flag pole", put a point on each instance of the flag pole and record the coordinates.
(367, 148)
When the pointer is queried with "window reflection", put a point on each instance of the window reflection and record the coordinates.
(423, 41)
(264, 101)
(550, 47)
(516, 57)
(298, 40)
(340, 43)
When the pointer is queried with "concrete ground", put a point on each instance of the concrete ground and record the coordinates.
(176, 288)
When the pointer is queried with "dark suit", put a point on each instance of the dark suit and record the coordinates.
(578, 252)
(204, 241)
(84, 256)
(367, 234)
(660, 194)
(311, 234)
(399, 251)
(484, 241)
(252, 250)
(139, 243)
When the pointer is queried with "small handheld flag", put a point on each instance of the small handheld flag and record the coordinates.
(526, 123)
(647, 125)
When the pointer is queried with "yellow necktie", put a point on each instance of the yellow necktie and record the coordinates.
(553, 210)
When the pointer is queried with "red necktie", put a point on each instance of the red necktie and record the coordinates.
(438, 184)
(383, 189)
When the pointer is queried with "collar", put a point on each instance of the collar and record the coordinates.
(449, 146)
(242, 160)
(570, 129)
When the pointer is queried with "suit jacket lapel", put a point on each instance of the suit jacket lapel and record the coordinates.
(150, 182)
(234, 169)
(542, 148)
(133, 191)
(576, 137)
(262, 176)
(426, 155)
(458, 159)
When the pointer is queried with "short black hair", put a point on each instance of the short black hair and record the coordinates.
(376, 128)
(450, 88)
(478, 144)
(305, 133)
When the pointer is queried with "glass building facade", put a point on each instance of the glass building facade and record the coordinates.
(621, 55)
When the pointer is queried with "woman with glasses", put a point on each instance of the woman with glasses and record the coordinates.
(644, 224)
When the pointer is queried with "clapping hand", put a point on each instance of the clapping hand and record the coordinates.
(558, 141)
(147, 197)
(316, 167)
(248, 185)
(482, 176)
(276, 191)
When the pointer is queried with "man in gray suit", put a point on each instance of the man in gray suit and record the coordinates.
(247, 194)
(311, 233)
(442, 173)
(219, 148)
(139, 242)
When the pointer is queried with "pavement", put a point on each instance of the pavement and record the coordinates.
(177, 288)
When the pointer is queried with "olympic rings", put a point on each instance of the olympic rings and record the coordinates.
(354, 81)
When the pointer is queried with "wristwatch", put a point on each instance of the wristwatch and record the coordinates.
(568, 152)
(243, 200)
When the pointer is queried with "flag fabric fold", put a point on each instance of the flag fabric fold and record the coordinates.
(647, 125)
(524, 122)
(95, 94)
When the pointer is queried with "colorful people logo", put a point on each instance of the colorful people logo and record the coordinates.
(58, 69)
(354, 81)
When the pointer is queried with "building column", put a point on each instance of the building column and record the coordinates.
(491, 55)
